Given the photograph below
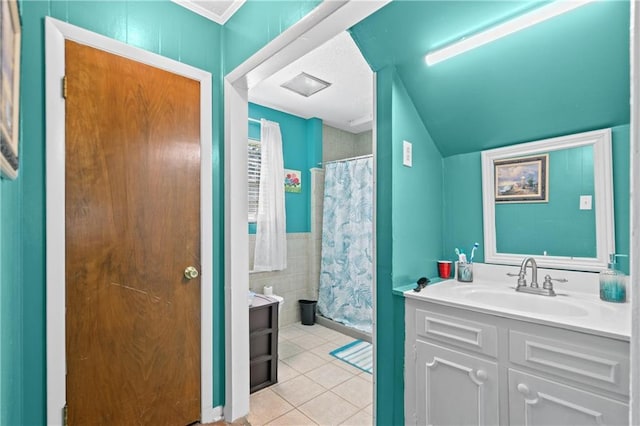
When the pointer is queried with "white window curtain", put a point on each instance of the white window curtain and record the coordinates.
(271, 234)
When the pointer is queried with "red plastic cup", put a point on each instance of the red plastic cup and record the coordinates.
(444, 268)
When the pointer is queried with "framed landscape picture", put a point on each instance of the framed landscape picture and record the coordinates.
(522, 180)
(9, 87)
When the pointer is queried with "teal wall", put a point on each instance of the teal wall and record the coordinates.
(462, 222)
(557, 226)
(258, 22)
(300, 141)
(417, 193)
(161, 27)
(409, 235)
(463, 215)
(389, 307)
(158, 26)
(620, 151)
(11, 295)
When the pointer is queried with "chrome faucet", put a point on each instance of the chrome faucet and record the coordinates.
(534, 288)
(522, 281)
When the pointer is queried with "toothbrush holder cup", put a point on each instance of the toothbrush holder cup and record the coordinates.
(465, 272)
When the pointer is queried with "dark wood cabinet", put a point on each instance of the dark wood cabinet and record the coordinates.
(263, 343)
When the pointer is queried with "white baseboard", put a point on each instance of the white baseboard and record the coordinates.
(211, 414)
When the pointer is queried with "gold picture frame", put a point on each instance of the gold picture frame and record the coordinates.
(522, 180)
(10, 33)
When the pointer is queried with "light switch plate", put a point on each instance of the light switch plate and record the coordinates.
(406, 153)
(586, 202)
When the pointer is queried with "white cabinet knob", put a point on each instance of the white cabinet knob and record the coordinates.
(523, 389)
(482, 375)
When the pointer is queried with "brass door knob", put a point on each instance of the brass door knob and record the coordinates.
(191, 273)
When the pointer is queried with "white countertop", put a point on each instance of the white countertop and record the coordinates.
(571, 309)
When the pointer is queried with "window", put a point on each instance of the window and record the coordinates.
(253, 160)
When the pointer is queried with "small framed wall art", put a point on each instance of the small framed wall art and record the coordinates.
(292, 181)
(522, 180)
(9, 87)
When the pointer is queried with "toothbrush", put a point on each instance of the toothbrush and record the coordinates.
(473, 250)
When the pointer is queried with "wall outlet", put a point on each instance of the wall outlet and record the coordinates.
(586, 202)
(406, 154)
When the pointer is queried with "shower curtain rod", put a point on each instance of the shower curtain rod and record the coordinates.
(254, 120)
(347, 159)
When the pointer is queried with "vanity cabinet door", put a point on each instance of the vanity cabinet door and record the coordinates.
(453, 388)
(538, 402)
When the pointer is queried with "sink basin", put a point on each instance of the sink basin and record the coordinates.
(544, 305)
(570, 309)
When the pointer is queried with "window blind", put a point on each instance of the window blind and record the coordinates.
(254, 164)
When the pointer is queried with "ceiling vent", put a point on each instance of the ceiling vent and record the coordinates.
(305, 84)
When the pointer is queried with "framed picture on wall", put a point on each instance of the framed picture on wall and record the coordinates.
(9, 87)
(522, 180)
(292, 181)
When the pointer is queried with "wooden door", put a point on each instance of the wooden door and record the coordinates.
(132, 227)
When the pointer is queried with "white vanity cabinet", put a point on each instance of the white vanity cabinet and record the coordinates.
(457, 389)
(469, 368)
(536, 401)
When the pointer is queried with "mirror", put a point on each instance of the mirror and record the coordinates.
(551, 199)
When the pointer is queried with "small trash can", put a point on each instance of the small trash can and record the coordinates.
(307, 311)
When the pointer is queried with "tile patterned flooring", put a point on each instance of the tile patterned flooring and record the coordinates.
(314, 388)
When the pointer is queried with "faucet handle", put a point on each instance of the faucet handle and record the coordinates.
(549, 285)
(522, 281)
(560, 280)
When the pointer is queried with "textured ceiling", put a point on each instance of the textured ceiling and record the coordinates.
(347, 104)
(566, 75)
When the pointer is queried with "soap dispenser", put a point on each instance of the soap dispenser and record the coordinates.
(613, 286)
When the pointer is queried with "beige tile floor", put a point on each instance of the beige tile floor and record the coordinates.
(314, 388)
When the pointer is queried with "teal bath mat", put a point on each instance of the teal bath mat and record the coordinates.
(358, 353)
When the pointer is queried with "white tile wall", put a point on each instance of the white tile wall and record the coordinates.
(365, 142)
(292, 283)
(338, 144)
(315, 240)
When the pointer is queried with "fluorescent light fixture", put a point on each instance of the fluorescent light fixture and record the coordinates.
(519, 23)
(305, 84)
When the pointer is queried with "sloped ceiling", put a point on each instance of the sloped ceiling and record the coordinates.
(566, 75)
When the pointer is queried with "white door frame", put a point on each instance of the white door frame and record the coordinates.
(322, 24)
(634, 142)
(56, 32)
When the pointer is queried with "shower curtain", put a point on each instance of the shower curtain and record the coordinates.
(346, 275)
